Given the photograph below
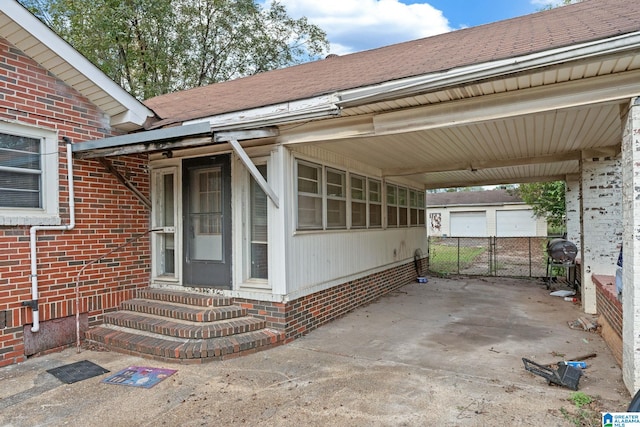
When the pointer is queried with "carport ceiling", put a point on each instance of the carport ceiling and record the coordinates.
(534, 147)
(521, 128)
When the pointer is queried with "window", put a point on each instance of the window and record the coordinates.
(375, 203)
(208, 200)
(416, 203)
(259, 231)
(309, 196)
(28, 175)
(336, 199)
(330, 198)
(165, 208)
(392, 205)
(413, 204)
(402, 207)
(421, 208)
(358, 201)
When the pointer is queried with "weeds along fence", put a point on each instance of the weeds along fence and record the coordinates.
(489, 256)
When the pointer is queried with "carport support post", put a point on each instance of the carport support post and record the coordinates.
(601, 182)
(631, 245)
(572, 202)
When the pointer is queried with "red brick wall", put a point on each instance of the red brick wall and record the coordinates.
(107, 214)
(610, 311)
(607, 302)
(305, 314)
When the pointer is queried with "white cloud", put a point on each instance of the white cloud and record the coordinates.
(356, 25)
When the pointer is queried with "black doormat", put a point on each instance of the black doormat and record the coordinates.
(77, 371)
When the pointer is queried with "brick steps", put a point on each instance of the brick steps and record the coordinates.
(182, 311)
(181, 326)
(200, 300)
(183, 329)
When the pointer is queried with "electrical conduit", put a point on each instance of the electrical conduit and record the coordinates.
(32, 241)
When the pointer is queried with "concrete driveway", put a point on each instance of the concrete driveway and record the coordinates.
(448, 352)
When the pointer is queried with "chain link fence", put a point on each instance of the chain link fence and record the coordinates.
(490, 256)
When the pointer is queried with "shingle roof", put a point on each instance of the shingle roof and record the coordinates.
(578, 23)
(466, 198)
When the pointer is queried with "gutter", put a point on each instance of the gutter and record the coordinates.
(487, 70)
(33, 239)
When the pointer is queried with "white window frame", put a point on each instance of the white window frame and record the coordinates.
(319, 195)
(249, 225)
(347, 197)
(358, 201)
(162, 229)
(48, 213)
(422, 208)
(389, 205)
(338, 198)
(379, 203)
(403, 219)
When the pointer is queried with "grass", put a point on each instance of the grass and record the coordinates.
(584, 413)
(444, 259)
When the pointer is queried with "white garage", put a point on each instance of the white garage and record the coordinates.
(517, 223)
(468, 224)
(481, 214)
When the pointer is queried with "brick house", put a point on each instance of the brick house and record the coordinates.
(283, 200)
(48, 93)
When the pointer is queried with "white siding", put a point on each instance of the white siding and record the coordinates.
(320, 260)
(317, 260)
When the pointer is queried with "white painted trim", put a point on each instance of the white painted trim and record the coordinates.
(49, 213)
(477, 72)
(158, 208)
(504, 105)
(254, 171)
(305, 110)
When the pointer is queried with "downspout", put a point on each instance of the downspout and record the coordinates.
(32, 241)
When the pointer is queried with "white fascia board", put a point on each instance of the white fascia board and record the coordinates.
(571, 94)
(137, 112)
(476, 72)
(272, 115)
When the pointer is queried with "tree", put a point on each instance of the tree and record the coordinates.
(547, 200)
(153, 47)
(559, 3)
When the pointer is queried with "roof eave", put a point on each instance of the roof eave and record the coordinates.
(293, 111)
(132, 113)
(488, 70)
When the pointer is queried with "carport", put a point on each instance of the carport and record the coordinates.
(549, 96)
(568, 113)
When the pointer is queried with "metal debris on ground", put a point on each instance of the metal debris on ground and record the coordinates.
(565, 375)
(584, 323)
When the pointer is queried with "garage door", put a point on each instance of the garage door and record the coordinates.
(519, 223)
(468, 224)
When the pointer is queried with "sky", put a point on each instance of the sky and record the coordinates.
(356, 25)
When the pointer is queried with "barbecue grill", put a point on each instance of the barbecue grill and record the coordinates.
(560, 253)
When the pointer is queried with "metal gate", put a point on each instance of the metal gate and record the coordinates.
(488, 256)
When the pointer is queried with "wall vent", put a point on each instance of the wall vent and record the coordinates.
(5, 318)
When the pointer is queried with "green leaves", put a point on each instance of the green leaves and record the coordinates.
(547, 200)
(153, 47)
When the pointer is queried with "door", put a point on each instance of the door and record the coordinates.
(468, 224)
(207, 222)
(517, 223)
